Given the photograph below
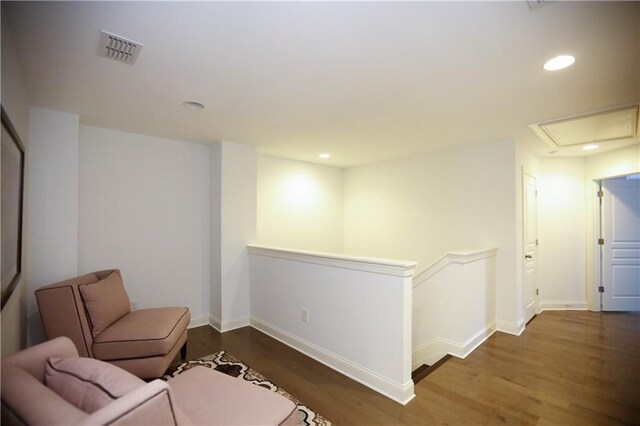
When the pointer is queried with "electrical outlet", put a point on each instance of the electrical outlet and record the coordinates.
(305, 315)
(134, 305)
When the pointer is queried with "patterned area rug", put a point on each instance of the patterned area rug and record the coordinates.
(228, 364)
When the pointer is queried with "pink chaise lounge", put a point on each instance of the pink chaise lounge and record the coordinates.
(48, 384)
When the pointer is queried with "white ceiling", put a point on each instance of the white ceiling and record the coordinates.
(363, 81)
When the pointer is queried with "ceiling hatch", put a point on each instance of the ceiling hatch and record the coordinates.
(598, 127)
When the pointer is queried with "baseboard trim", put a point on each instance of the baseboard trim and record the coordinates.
(395, 391)
(198, 322)
(510, 327)
(563, 305)
(224, 326)
(214, 322)
(436, 349)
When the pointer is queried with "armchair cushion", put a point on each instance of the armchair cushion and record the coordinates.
(106, 301)
(143, 333)
(87, 383)
(25, 400)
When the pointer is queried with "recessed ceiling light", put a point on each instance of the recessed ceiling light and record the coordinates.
(590, 147)
(193, 105)
(324, 155)
(559, 62)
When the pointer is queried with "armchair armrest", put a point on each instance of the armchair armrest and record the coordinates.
(150, 404)
(34, 359)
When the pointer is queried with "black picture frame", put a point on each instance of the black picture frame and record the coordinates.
(12, 159)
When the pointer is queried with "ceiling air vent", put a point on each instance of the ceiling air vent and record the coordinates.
(597, 127)
(118, 48)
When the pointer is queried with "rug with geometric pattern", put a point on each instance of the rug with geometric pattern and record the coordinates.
(230, 365)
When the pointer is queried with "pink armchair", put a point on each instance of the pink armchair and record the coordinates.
(48, 384)
(93, 310)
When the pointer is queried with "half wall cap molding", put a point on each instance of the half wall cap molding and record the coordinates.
(455, 256)
(400, 268)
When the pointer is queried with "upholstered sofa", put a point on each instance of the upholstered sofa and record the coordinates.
(48, 384)
(93, 310)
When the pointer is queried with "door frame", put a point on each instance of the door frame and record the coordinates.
(594, 255)
(524, 246)
(598, 250)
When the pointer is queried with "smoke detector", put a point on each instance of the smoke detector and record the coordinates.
(118, 48)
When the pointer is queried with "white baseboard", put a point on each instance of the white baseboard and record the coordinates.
(224, 326)
(563, 305)
(510, 327)
(198, 322)
(215, 323)
(434, 350)
(395, 391)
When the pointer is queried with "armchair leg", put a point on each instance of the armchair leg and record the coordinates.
(183, 352)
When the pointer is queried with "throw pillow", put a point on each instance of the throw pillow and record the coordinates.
(89, 384)
(106, 302)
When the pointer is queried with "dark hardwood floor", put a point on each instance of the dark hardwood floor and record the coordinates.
(567, 368)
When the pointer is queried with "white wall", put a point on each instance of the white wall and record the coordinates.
(454, 308)
(562, 211)
(299, 205)
(359, 313)
(15, 102)
(426, 205)
(236, 175)
(623, 161)
(215, 248)
(52, 197)
(144, 208)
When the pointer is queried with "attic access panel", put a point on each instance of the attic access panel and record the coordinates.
(615, 124)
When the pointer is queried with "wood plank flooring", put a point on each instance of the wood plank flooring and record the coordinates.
(567, 368)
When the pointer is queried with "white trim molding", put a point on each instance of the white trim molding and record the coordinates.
(402, 393)
(400, 268)
(432, 351)
(563, 305)
(510, 327)
(215, 323)
(198, 322)
(456, 256)
(224, 326)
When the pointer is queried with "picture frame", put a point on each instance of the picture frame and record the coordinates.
(12, 159)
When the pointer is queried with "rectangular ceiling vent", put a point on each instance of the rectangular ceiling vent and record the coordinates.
(602, 126)
(118, 48)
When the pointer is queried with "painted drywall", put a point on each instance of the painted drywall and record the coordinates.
(359, 314)
(562, 211)
(144, 208)
(424, 206)
(454, 308)
(215, 248)
(15, 101)
(299, 205)
(236, 174)
(616, 163)
(52, 199)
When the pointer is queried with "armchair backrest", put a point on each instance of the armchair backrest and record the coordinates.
(63, 313)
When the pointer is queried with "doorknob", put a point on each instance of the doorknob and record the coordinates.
(528, 256)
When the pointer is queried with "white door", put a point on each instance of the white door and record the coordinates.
(621, 250)
(530, 246)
